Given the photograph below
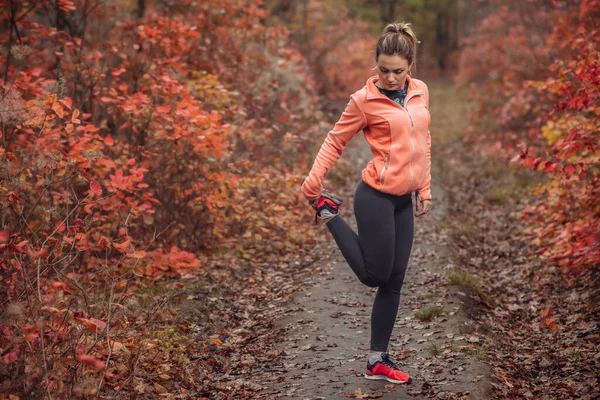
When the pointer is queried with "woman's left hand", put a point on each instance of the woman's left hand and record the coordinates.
(423, 207)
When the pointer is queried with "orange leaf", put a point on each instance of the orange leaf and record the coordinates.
(570, 169)
(58, 109)
(67, 102)
(116, 346)
(95, 186)
(122, 247)
(74, 118)
(91, 128)
(93, 324)
(39, 254)
(19, 247)
(546, 312)
(59, 285)
(90, 361)
(119, 71)
(138, 254)
(108, 140)
(10, 357)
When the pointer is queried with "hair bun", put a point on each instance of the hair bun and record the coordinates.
(402, 28)
(397, 38)
(398, 27)
(391, 28)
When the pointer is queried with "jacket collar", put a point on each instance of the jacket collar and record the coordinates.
(374, 93)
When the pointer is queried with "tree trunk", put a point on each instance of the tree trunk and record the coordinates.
(387, 11)
(141, 8)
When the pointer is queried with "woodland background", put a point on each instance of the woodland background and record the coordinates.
(149, 148)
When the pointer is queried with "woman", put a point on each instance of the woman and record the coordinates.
(392, 111)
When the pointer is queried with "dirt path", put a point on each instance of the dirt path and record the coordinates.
(327, 325)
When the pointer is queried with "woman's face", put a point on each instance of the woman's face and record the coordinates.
(392, 71)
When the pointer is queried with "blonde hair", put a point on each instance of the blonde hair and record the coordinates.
(397, 38)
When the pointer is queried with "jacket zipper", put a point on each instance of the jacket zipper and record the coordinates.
(412, 130)
(412, 153)
(384, 169)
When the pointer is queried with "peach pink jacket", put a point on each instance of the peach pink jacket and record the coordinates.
(399, 138)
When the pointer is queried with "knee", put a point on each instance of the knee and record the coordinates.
(378, 280)
(394, 284)
(370, 283)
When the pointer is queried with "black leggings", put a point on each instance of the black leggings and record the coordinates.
(379, 253)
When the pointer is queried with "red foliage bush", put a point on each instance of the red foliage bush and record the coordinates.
(133, 148)
(540, 93)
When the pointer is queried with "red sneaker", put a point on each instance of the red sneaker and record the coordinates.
(327, 205)
(386, 370)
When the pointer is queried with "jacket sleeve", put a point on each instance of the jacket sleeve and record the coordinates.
(425, 190)
(350, 123)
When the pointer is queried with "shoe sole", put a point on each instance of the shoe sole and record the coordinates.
(385, 378)
(336, 199)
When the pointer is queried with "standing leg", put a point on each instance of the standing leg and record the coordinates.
(387, 299)
(370, 253)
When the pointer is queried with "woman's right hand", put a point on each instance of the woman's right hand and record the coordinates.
(312, 201)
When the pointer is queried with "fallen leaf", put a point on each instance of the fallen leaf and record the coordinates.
(90, 361)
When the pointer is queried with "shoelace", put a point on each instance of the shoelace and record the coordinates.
(388, 362)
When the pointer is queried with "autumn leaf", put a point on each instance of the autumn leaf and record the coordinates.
(58, 109)
(67, 102)
(93, 324)
(59, 285)
(569, 169)
(14, 198)
(39, 254)
(74, 117)
(95, 187)
(122, 247)
(20, 247)
(90, 361)
(545, 312)
(10, 357)
(108, 140)
(138, 254)
(118, 346)
(359, 394)
(118, 72)
(91, 128)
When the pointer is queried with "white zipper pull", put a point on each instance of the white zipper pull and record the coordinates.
(385, 167)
